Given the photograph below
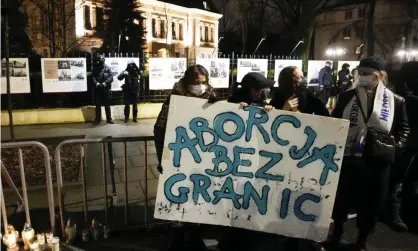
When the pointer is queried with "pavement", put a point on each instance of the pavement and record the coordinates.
(133, 236)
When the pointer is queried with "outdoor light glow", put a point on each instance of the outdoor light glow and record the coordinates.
(334, 52)
(401, 53)
(414, 53)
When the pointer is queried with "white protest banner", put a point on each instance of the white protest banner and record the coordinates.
(251, 65)
(118, 65)
(274, 172)
(218, 69)
(64, 75)
(165, 72)
(314, 67)
(280, 64)
(19, 76)
(353, 64)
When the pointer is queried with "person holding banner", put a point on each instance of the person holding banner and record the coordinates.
(292, 96)
(378, 133)
(195, 83)
(253, 91)
(102, 82)
(130, 89)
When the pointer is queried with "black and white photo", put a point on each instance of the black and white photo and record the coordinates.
(64, 64)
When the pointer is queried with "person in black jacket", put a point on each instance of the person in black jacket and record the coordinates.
(102, 83)
(344, 78)
(254, 90)
(364, 180)
(325, 82)
(292, 96)
(130, 89)
(408, 88)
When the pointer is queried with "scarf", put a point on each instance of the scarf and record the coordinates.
(381, 117)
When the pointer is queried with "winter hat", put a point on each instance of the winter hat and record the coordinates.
(372, 64)
(256, 80)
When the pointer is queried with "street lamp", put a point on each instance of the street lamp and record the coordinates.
(407, 54)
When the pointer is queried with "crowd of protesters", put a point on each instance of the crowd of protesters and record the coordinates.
(387, 177)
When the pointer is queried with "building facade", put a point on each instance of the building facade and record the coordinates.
(173, 28)
(342, 34)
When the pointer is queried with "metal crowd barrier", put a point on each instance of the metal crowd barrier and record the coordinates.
(102, 142)
(24, 200)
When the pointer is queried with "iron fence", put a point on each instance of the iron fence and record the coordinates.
(37, 99)
(102, 142)
(24, 200)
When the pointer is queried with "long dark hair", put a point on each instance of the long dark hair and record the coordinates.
(286, 86)
(192, 72)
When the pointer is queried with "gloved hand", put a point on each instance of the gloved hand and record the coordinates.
(98, 84)
(213, 99)
(125, 73)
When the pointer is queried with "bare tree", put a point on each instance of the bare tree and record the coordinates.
(300, 16)
(54, 21)
(249, 14)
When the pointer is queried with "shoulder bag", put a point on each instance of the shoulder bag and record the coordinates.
(378, 144)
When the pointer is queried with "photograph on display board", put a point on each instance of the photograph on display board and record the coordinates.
(64, 75)
(352, 65)
(251, 65)
(165, 72)
(19, 75)
(117, 66)
(218, 69)
(280, 64)
(316, 68)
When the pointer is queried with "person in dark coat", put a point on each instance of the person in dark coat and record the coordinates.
(364, 180)
(132, 76)
(254, 90)
(102, 83)
(325, 82)
(408, 88)
(195, 83)
(344, 78)
(292, 96)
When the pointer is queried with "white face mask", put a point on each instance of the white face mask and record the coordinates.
(365, 81)
(197, 89)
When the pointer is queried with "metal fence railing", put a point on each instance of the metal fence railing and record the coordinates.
(102, 142)
(37, 99)
(24, 199)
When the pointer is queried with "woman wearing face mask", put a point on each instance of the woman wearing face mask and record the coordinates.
(292, 96)
(375, 114)
(195, 83)
(253, 91)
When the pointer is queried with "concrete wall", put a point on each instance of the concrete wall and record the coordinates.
(73, 115)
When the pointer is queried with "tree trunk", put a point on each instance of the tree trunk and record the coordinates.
(64, 28)
(370, 31)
